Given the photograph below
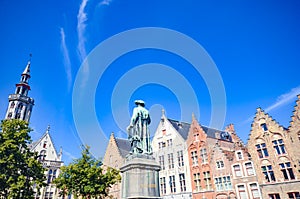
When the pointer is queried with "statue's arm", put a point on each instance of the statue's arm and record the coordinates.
(149, 119)
(133, 119)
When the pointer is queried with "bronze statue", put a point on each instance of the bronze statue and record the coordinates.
(138, 132)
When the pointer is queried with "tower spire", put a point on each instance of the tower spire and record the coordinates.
(19, 104)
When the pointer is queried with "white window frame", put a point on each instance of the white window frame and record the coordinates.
(246, 171)
(237, 155)
(250, 190)
(241, 169)
(237, 190)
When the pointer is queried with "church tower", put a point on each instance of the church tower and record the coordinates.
(19, 104)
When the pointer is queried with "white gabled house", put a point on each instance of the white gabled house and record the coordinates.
(51, 160)
(170, 151)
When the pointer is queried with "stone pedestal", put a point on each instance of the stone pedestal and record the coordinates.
(140, 177)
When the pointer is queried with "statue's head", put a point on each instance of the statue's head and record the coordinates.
(140, 102)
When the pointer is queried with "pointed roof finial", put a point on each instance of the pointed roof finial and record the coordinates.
(27, 68)
(163, 112)
(193, 116)
(48, 128)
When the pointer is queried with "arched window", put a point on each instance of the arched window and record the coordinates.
(287, 171)
(279, 146)
(50, 175)
(42, 155)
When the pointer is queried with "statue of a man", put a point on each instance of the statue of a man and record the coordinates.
(138, 132)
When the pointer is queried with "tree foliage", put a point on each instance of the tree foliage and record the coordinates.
(86, 178)
(20, 170)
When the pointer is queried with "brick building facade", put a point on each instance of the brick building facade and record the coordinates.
(114, 157)
(216, 163)
(273, 149)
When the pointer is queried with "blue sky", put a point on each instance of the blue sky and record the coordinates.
(253, 44)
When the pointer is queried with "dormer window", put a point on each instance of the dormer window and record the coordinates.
(179, 125)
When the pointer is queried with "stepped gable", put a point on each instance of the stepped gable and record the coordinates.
(123, 146)
(228, 154)
(259, 120)
(295, 122)
(235, 138)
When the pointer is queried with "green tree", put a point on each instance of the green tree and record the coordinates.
(85, 177)
(20, 170)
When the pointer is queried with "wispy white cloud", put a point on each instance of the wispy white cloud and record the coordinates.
(284, 99)
(281, 101)
(69, 155)
(67, 62)
(81, 25)
(82, 18)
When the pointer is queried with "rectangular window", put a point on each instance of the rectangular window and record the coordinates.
(242, 192)
(172, 184)
(203, 155)
(194, 158)
(223, 183)
(180, 158)
(170, 142)
(287, 171)
(163, 186)
(249, 168)
(220, 164)
(197, 182)
(264, 127)
(171, 161)
(294, 195)
(254, 191)
(162, 162)
(161, 145)
(237, 170)
(268, 173)
(182, 182)
(274, 196)
(262, 150)
(196, 136)
(279, 146)
(207, 180)
(239, 155)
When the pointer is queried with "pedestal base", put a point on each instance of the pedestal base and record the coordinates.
(140, 177)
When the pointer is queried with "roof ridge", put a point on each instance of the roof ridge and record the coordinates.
(198, 122)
